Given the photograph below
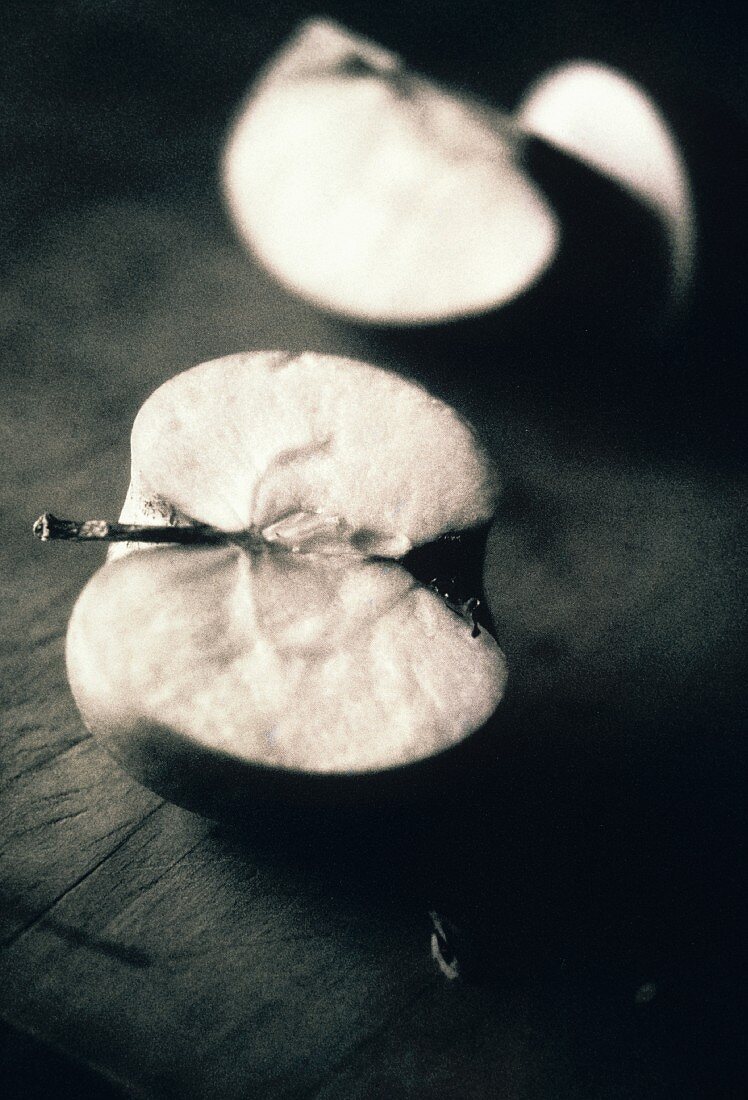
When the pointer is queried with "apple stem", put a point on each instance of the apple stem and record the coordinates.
(49, 527)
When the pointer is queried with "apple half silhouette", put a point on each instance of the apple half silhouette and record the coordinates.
(299, 642)
(383, 197)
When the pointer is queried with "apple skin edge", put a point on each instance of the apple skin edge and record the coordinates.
(233, 792)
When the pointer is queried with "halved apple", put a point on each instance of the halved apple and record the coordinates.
(381, 196)
(302, 643)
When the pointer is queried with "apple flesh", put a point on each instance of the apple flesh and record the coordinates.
(376, 194)
(383, 197)
(303, 645)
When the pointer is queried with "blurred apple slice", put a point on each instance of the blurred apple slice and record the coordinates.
(596, 114)
(381, 196)
(304, 644)
(377, 194)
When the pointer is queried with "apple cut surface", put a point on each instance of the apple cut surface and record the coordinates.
(309, 450)
(375, 193)
(291, 661)
(301, 643)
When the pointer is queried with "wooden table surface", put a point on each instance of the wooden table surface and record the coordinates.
(590, 851)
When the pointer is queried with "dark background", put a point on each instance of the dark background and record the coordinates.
(592, 840)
